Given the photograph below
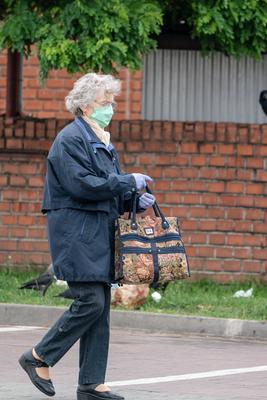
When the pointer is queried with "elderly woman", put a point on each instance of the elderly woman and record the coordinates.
(85, 191)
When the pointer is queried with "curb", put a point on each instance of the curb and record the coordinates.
(32, 315)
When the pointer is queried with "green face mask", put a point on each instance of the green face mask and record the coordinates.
(102, 115)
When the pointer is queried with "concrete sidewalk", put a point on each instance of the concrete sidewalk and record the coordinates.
(32, 315)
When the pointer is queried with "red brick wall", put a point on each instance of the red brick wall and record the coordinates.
(48, 101)
(212, 176)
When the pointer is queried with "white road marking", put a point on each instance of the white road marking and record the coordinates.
(198, 375)
(160, 379)
(18, 328)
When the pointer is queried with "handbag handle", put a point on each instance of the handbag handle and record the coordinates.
(156, 209)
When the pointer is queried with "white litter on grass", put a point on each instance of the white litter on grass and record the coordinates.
(156, 296)
(244, 293)
(61, 283)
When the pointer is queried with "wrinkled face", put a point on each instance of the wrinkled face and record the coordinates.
(102, 99)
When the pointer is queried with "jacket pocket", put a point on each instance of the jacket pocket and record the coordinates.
(89, 226)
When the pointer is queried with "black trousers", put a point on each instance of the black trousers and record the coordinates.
(86, 319)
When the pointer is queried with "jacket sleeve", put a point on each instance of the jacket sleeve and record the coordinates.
(73, 167)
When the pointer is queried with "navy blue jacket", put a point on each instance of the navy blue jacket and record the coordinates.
(85, 191)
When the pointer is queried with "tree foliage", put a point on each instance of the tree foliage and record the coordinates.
(99, 35)
(234, 27)
(81, 35)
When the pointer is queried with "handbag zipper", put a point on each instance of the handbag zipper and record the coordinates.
(159, 250)
(163, 238)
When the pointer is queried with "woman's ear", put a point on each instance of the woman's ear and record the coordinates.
(87, 111)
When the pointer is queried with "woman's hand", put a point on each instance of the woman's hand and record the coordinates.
(140, 180)
(146, 200)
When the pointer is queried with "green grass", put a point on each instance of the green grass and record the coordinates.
(202, 298)
(207, 298)
(10, 280)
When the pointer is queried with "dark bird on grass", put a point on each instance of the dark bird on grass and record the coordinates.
(66, 294)
(42, 282)
(263, 101)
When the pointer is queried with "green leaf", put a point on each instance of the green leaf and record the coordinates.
(79, 35)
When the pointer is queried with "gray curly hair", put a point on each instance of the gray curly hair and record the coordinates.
(86, 88)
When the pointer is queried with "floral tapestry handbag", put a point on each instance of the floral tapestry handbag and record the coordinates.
(149, 249)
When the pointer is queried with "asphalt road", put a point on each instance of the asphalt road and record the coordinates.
(171, 367)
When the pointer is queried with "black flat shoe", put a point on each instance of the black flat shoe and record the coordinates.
(29, 363)
(88, 392)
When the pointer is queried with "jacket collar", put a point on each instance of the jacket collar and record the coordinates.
(91, 136)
